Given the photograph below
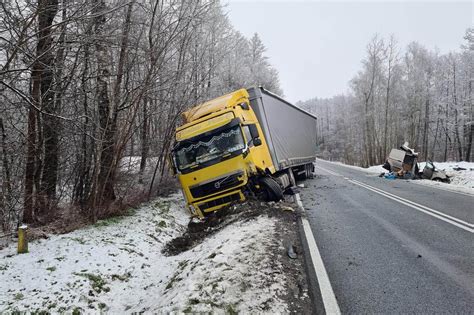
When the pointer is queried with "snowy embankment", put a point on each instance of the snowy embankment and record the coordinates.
(460, 173)
(118, 266)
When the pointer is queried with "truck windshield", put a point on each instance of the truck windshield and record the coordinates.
(211, 147)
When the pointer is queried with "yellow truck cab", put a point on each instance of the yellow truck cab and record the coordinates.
(229, 148)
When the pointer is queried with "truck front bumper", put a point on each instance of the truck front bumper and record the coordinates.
(202, 207)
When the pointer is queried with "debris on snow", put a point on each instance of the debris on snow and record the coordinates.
(461, 180)
(291, 252)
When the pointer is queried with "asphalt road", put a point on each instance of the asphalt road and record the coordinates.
(383, 256)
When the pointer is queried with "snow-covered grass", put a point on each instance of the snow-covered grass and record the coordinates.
(461, 180)
(118, 266)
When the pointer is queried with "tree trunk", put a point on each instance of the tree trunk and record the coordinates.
(108, 115)
(29, 197)
(51, 124)
(425, 129)
(103, 189)
(456, 116)
(471, 124)
(83, 174)
(144, 139)
(6, 188)
(369, 132)
(456, 134)
(435, 140)
(446, 132)
(41, 95)
(391, 58)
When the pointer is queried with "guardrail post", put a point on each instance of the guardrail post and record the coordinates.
(22, 239)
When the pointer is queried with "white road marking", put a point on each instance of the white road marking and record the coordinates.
(437, 214)
(419, 205)
(329, 298)
(432, 212)
(330, 172)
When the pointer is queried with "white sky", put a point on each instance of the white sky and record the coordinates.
(317, 46)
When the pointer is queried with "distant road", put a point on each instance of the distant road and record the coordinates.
(392, 246)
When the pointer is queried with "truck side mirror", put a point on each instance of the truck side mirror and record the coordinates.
(244, 106)
(253, 131)
(254, 134)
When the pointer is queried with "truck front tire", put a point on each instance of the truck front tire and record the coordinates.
(272, 191)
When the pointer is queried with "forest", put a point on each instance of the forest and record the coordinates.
(84, 84)
(401, 94)
(88, 85)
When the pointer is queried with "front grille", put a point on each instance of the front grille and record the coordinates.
(216, 186)
(219, 201)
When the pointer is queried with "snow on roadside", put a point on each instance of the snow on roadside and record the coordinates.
(377, 169)
(230, 272)
(461, 180)
(117, 266)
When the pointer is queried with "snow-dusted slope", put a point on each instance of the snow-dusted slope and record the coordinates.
(118, 266)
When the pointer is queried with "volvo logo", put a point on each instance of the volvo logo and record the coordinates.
(218, 183)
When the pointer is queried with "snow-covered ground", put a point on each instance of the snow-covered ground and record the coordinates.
(131, 164)
(461, 180)
(118, 266)
(373, 169)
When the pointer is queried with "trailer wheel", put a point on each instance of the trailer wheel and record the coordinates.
(301, 172)
(292, 177)
(306, 172)
(309, 172)
(272, 191)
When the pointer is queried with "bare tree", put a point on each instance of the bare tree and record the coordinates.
(42, 97)
(82, 89)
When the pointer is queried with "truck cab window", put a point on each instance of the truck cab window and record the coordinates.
(211, 148)
(248, 136)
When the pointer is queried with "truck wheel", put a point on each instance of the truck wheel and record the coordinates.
(309, 172)
(302, 173)
(273, 191)
(292, 177)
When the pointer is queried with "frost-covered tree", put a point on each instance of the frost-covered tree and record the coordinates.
(85, 83)
(416, 95)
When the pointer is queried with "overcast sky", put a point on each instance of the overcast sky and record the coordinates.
(317, 46)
